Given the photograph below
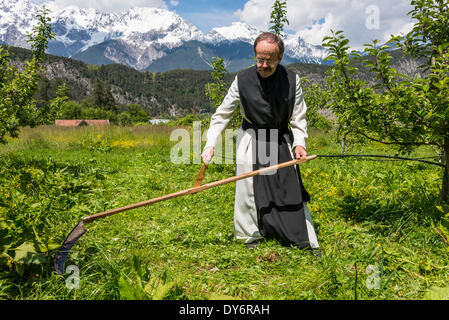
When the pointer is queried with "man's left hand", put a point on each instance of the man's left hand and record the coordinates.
(300, 152)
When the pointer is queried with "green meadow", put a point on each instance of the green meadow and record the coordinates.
(382, 230)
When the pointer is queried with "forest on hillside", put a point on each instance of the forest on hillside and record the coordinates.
(171, 94)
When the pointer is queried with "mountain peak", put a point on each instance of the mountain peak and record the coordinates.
(13, 3)
(237, 31)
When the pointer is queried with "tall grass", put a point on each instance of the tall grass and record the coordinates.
(89, 136)
(369, 215)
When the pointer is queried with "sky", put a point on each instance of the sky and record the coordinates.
(361, 20)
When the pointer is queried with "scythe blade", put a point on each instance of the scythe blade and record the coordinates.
(74, 235)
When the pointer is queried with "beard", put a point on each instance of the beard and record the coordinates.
(265, 71)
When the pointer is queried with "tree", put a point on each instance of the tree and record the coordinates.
(56, 105)
(71, 110)
(42, 94)
(17, 105)
(102, 96)
(317, 99)
(216, 90)
(137, 113)
(278, 17)
(406, 112)
(124, 119)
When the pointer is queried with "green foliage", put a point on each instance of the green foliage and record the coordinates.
(316, 98)
(54, 110)
(102, 96)
(443, 225)
(187, 120)
(140, 285)
(137, 113)
(278, 17)
(71, 110)
(41, 34)
(124, 119)
(33, 196)
(216, 90)
(398, 110)
(429, 36)
(134, 114)
(17, 106)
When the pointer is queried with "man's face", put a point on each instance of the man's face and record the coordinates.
(267, 57)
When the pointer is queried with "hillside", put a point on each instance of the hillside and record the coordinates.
(175, 93)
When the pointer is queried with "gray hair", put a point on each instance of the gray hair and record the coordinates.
(271, 38)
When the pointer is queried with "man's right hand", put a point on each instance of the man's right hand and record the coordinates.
(207, 155)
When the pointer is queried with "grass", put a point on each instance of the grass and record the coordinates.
(369, 215)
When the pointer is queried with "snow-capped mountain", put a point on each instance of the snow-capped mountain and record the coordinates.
(237, 31)
(16, 19)
(137, 37)
(297, 48)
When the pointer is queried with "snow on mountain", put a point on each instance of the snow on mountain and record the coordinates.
(297, 48)
(16, 19)
(136, 37)
(237, 31)
(157, 25)
(139, 27)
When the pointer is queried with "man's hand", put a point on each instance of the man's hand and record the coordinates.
(300, 152)
(207, 155)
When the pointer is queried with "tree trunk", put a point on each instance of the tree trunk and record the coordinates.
(445, 186)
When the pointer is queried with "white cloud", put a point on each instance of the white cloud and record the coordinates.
(313, 20)
(174, 3)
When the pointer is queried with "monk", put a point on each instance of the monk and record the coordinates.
(274, 130)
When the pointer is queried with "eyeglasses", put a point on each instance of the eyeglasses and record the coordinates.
(262, 61)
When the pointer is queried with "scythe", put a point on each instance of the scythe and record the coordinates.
(79, 230)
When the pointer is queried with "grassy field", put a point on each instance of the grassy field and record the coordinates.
(381, 227)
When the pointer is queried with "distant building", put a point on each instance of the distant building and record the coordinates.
(80, 123)
(158, 121)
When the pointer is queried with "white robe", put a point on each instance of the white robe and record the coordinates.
(245, 213)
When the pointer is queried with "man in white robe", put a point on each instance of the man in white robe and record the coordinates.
(258, 111)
